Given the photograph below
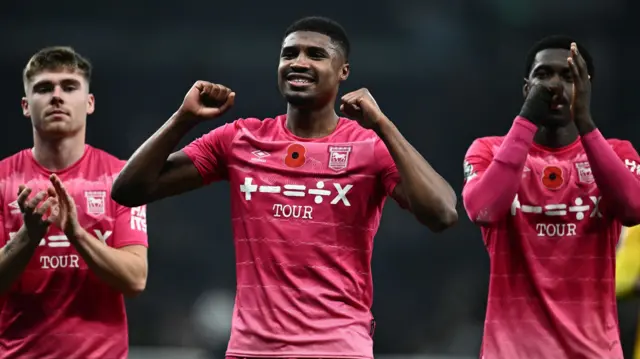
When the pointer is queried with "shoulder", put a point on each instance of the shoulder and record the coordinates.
(251, 126)
(618, 143)
(254, 124)
(104, 162)
(351, 131)
(14, 163)
(624, 150)
(490, 140)
(12, 166)
(485, 145)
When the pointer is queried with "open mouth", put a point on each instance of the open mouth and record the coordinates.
(559, 103)
(300, 80)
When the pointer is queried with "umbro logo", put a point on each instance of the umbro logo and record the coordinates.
(258, 156)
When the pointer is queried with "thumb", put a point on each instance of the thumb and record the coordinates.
(231, 99)
(209, 112)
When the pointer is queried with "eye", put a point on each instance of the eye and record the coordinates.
(541, 74)
(288, 54)
(317, 54)
(43, 88)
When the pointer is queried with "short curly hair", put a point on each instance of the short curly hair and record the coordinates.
(557, 42)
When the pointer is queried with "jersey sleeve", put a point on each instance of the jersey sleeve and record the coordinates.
(389, 175)
(209, 152)
(130, 227)
(388, 171)
(476, 161)
(629, 155)
(620, 193)
(628, 261)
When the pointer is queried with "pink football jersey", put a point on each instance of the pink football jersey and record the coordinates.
(58, 308)
(304, 214)
(551, 287)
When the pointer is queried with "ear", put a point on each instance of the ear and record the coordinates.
(525, 88)
(344, 72)
(25, 107)
(91, 104)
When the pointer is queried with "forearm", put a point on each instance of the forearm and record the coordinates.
(14, 257)
(617, 184)
(488, 198)
(429, 196)
(122, 270)
(144, 167)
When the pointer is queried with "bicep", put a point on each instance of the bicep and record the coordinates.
(399, 195)
(179, 175)
(630, 158)
(389, 175)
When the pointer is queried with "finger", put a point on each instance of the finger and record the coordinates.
(575, 72)
(22, 196)
(31, 204)
(349, 99)
(204, 87)
(51, 192)
(54, 214)
(574, 58)
(346, 109)
(223, 92)
(45, 206)
(346, 97)
(61, 192)
(214, 92)
(199, 85)
(229, 103)
(581, 64)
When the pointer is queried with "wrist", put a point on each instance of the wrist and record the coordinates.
(383, 126)
(27, 236)
(532, 115)
(76, 235)
(183, 118)
(584, 123)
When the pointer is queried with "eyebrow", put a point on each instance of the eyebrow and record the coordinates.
(564, 66)
(63, 81)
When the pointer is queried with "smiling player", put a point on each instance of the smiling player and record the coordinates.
(307, 192)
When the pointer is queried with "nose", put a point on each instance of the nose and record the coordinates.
(301, 62)
(555, 80)
(57, 94)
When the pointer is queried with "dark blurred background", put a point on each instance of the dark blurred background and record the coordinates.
(446, 72)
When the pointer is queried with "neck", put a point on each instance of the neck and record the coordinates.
(309, 123)
(56, 154)
(556, 137)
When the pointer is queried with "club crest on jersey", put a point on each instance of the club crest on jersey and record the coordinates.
(339, 157)
(552, 177)
(584, 172)
(95, 201)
